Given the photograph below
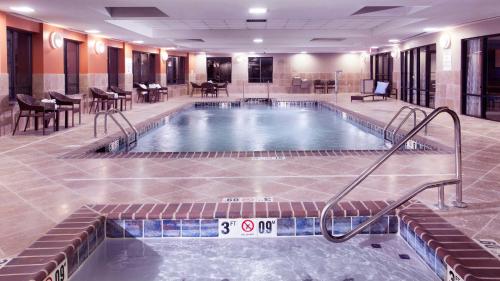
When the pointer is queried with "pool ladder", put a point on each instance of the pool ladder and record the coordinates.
(411, 111)
(110, 113)
(457, 180)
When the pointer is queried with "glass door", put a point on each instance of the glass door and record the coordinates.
(492, 95)
(473, 77)
(19, 63)
(418, 76)
(71, 67)
(113, 66)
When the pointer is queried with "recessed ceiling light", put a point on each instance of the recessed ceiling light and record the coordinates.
(303, 52)
(252, 53)
(138, 42)
(257, 11)
(258, 40)
(92, 31)
(22, 9)
(394, 41)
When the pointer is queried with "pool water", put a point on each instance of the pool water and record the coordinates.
(306, 258)
(257, 127)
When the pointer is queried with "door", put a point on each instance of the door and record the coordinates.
(71, 67)
(19, 63)
(113, 66)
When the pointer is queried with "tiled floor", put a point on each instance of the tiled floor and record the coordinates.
(38, 189)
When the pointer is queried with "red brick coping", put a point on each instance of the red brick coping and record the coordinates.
(76, 237)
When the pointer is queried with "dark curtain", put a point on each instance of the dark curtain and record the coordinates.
(71, 67)
(113, 66)
(19, 63)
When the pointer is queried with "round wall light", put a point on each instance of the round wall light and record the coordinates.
(99, 47)
(164, 56)
(56, 40)
(395, 52)
(445, 41)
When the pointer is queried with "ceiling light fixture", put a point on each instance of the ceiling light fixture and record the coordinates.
(257, 11)
(170, 48)
(258, 40)
(303, 52)
(394, 41)
(22, 9)
(374, 47)
(432, 29)
(138, 42)
(92, 31)
(252, 53)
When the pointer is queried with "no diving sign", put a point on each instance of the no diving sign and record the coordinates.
(247, 228)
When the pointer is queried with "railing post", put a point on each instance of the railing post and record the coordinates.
(441, 205)
(459, 203)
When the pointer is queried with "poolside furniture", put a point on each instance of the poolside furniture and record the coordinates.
(208, 88)
(195, 87)
(380, 91)
(126, 94)
(319, 85)
(222, 86)
(160, 90)
(142, 92)
(30, 107)
(330, 86)
(101, 99)
(296, 83)
(65, 102)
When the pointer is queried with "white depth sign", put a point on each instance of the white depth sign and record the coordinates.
(247, 228)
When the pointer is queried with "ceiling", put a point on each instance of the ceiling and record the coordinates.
(290, 26)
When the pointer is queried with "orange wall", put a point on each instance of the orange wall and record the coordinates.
(3, 44)
(23, 24)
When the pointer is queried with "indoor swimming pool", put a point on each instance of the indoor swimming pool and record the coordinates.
(258, 127)
(378, 257)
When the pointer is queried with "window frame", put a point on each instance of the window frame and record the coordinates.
(179, 76)
(260, 78)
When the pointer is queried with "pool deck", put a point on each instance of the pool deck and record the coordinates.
(39, 188)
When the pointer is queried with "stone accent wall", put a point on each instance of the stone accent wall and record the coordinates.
(448, 89)
(47, 82)
(6, 110)
(177, 90)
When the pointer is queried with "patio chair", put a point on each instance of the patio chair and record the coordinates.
(30, 107)
(142, 92)
(296, 83)
(123, 93)
(222, 86)
(68, 103)
(195, 87)
(330, 86)
(380, 91)
(319, 85)
(160, 90)
(208, 88)
(101, 99)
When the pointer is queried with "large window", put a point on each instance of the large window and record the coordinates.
(381, 68)
(143, 67)
(19, 63)
(113, 66)
(260, 70)
(176, 70)
(418, 76)
(71, 67)
(481, 77)
(219, 69)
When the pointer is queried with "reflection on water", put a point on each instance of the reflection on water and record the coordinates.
(257, 128)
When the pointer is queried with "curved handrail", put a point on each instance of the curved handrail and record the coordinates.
(110, 113)
(414, 111)
(458, 173)
(394, 118)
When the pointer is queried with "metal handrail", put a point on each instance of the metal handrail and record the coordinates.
(413, 110)
(457, 180)
(110, 113)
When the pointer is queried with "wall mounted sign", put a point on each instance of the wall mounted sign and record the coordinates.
(56, 40)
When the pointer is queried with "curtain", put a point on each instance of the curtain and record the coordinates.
(474, 75)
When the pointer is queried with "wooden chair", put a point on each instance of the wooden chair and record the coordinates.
(66, 102)
(160, 91)
(222, 86)
(142, 92)
(101, 99)
(30, 107)
(319, 85)
(330, 85)
(195, 87)
(122, 93)
(208, 88)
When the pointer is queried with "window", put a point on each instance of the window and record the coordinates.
(418, 76)
(381, 68)
(19, 63)
(143, 68)
(219, 70)
(176, 70)
(113, 66)
(481, 77)
(71, 67)
(260, 70)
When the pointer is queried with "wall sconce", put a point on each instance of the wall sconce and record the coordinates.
(164, 56)
(56, 40)
(99, 47)
(445, 41)
(395, 52)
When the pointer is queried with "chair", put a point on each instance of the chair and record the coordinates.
(319, 85)
(330, 85)
(123, 93)
(208, 88)
(142, 92)
(68, 103)
(380, 91)
(30, 107)
(159, 90)
(296, 83)
(101, 99)
(222, 86)
(195, 87)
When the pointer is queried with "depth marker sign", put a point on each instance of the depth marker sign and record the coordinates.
(247, 228)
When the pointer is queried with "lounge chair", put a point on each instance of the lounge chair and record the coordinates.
(222, 86)
(69, 103)
(122, 93)
(195, 87)
(330, 85)
(101, 99)
(319, 85)
(380, 91)
(208, 88)
(160, 91)
(30, 107)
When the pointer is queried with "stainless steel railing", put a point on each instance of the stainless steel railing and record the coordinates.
(412, 111)
(325, 213)
(110, 113)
